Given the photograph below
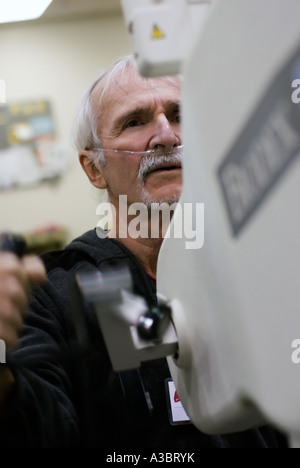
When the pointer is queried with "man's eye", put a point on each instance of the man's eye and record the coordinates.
(133, 123)
(177, 118)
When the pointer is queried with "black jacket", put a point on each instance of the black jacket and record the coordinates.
(66, 399)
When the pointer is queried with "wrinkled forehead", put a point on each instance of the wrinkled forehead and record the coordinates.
(129, 84)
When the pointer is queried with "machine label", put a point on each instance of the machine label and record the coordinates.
(177, 413)
(157, 33)
(267, 146)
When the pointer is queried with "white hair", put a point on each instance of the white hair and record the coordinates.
(85, 126)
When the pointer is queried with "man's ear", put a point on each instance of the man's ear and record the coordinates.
(95, 174)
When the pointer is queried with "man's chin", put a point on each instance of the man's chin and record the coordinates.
(148, 198)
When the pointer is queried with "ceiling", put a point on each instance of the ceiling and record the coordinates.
(69, 9)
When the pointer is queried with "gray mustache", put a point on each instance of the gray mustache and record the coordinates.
(151, 162)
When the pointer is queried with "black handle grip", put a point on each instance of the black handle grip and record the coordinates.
(12, 243)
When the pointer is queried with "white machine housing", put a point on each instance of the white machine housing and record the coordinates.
(162, 31)
(236, 300)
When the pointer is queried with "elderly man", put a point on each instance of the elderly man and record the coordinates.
(128, 139)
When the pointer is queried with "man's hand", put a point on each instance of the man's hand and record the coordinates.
(17, 279)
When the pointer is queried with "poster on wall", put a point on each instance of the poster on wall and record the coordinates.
(29, 151)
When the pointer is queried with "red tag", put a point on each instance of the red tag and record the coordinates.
(176, 397)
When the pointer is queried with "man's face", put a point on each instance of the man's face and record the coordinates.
(140, 115)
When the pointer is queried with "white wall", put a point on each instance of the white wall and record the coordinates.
(57, 61)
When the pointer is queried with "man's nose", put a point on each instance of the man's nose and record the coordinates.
(164, 135)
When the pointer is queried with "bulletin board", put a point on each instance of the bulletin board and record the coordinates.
(29, 151)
